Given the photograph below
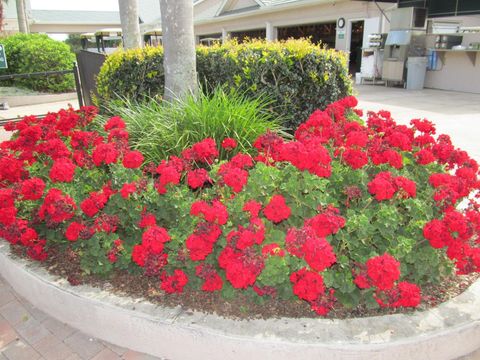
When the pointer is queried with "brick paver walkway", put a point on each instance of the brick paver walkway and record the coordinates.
(27, 333)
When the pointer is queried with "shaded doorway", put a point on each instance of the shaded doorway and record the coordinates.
(319, 33)
(356, 42)
(242, 36)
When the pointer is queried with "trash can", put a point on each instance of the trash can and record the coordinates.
(358, 78)
(416, 69)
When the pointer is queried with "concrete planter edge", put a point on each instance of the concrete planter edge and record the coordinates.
(448, 331)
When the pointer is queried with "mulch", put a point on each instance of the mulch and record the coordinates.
(122, 283)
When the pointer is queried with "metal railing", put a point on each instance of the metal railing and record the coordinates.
(73, 71)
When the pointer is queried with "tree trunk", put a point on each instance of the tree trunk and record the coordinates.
(1, 15)
(179, 59)
(130, 25)
(22, 17)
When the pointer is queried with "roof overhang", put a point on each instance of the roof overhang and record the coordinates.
(274, 9)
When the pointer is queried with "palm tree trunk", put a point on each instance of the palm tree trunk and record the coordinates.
(179, 59)
(22, 17)
(130, 26)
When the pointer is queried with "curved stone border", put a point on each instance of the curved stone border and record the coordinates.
(446, 332)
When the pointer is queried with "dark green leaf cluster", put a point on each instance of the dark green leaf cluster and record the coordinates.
(298, 76)
(27, 53)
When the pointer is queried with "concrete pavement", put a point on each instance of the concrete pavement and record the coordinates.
(456, 114)
(26, 333)
(38, 109)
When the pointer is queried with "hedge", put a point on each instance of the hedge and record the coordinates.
(27, 53)
(298, 75)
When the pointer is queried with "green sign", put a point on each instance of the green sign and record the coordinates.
(3, 58)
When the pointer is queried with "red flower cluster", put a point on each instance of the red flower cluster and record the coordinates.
(150, 253)
(246, 237)
(212, 281)
(170, 173)
(234, 173)
(455, 232)
(307, 285)
(405, 294)
(32, 189)
(242, 267)
(204, 151)
(56, 207)
(96, 201)
(74, 230)
(174, 283)
(63, 170)
(384, 186)
(305, 243)
(197, 178)
(200, 243)
(105, 154)
(229, 144)
(132, 159)
(238, 246)
(215, 213)
(277, 210)
(8, 211)
(326, 223)
(382, 272)
(128, 189)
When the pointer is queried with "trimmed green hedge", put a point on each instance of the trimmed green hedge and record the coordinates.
(27, 53)
(298, 75)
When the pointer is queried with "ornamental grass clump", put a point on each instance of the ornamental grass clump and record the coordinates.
(159, 129)
(345, 214)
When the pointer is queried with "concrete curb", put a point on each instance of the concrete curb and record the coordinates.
(447, 332)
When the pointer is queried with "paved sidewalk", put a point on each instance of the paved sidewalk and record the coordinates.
(456, 114)
(27, 333)
(39, 109)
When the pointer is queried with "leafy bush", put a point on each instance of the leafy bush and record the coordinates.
(298, 75)
(160, 130)
(343, 213)
(27, 53)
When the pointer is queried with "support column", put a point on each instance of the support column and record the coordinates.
(271, 31)
(225, 35)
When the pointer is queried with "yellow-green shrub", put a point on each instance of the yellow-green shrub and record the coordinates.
(298, 75)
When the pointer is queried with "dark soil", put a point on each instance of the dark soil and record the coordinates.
(123, 283)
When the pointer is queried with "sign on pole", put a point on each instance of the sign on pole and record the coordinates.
(3, 58)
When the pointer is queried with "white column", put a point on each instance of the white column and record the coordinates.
(272, 33)
(225, 35)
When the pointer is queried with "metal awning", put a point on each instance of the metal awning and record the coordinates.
(109, 32)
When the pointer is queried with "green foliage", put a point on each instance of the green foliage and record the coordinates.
(160, 130)
(133, 74)
(75, 42)
(298, 75)
(27, 53)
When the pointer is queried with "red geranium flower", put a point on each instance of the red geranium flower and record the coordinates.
(277, 210)
(229, 144)
(63, 170)
(132, 159)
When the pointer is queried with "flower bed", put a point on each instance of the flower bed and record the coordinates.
(345, 214)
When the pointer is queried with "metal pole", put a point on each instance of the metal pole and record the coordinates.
(77, 85)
